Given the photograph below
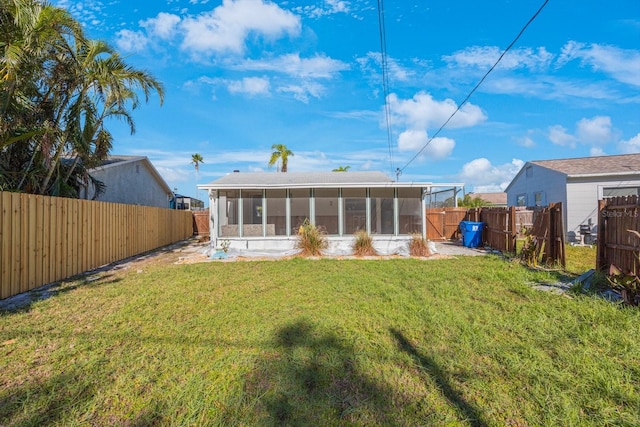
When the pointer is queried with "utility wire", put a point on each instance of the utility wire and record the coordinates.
(476, 86)
(385, 77)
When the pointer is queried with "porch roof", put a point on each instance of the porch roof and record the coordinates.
(280, 180)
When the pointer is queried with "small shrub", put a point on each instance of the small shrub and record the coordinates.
(311, 240)
(363, 245)
(418, 246)
(528, 253)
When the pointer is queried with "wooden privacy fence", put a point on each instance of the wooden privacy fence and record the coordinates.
(442, 223)
(616, 245)
(502, 226)
(500, 230)
(201, 222)
(46, 239)
(547, 233)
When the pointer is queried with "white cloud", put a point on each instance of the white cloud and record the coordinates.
(631, 145)
(131, 41)
(371, 64)
(303, 91)
(527, 142)
(595, 131)
(250, 86)
(422, 112)
(559, 136)
(163, 26)
(226, 28)
(328, 7)
(621, 64)
(414, 140)
(484, 57)
(319, 66)
(483, 176)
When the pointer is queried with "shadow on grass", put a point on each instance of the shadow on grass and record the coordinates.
(43, 402)
(471, 413)
(23, 302)
(311, 377)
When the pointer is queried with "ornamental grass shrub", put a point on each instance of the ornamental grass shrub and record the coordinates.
(363, 244)
(311, 240)
(418, 246)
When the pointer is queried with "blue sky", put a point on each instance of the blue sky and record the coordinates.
(242, 75)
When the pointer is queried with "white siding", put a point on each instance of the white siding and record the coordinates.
(584, 194)
(582, 205)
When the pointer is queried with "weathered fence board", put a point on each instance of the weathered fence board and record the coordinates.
(500, 228)
(616, 244)
(46, 239)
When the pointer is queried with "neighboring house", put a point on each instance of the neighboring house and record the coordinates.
(498, 199)
(257, 211)
(131, 180)
(578, 184)
(186, 203)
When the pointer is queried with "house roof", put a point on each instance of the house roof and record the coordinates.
(241, 180)
(116, 160)
(498, 198)
(593, 166)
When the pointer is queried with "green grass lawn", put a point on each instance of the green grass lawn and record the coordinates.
(463, 341)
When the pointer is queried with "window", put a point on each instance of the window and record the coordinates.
(620, 191)
(410, 210)
(538, 198)
(228, 213)
(252, 213)
(326, 201)
(354, 208)
(381, 211)
(521, 200)
(277, 212)
(299, 208)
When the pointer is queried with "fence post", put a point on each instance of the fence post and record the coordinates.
(601, 245)
(513, 233)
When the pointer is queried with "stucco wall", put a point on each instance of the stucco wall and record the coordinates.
(131, 183)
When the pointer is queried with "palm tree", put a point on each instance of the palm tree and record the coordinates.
(280, 152)
(56, 91)
(341, 169)
(196, 159)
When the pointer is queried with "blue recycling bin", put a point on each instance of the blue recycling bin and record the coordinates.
(471, 233)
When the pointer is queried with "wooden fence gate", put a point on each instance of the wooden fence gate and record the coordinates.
(201, 223)
(442, 223)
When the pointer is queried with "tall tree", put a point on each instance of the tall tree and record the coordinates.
(56, 90)
(282, 153)
(196, 159)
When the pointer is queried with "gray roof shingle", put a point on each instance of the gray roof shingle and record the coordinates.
(271, 179)
(624, 163)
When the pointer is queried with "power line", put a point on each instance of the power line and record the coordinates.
(385, 77)
(476, 86)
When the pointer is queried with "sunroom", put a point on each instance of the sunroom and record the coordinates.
(263, 211)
